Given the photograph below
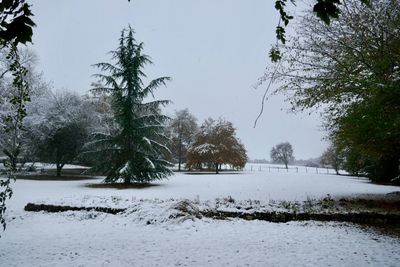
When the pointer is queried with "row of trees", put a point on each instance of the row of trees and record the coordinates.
(63, 127)
(351, 69)
(117, 131)
(113, 129)
(210, 145)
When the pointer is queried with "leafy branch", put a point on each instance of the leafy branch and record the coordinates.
(15, 28)
(326, 10)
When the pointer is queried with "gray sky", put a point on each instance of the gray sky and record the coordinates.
(214, 50)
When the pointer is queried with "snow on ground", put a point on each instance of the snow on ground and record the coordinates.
(108, 240)
(149, 235)
(262, 186)
(47, 166)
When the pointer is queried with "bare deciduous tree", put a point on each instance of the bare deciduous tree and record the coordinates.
(181, 130)
(282, 153)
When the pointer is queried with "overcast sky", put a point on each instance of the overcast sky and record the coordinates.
(214, 50)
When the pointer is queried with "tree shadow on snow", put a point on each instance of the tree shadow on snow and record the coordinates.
(122, 185)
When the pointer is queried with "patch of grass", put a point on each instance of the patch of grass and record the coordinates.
(309, 205)
(290, 206)
(122, 185)
(327, 202)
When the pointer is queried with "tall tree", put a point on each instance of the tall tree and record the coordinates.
(12, 110)
(181, 131)
(134, 153)
(14, 95)
(351, 68)
(282, 153)
(57, 129)
(216, 144)
(334, 157)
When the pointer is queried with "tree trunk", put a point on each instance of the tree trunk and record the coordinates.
(216, 168)
(286, 165)
(179, 159)
(58, 170)
(180, 155)
(180, 148)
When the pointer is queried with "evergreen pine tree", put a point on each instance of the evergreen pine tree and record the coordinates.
(134, 151)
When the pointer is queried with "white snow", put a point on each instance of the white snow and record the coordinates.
(152, 233)
(107, 240)
(47, 166)
(147, 140)
(151, 164)
(206, 148)
(125, 168)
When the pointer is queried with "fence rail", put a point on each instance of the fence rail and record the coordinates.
(297, 169)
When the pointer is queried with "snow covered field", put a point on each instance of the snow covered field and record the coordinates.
(148, 235)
